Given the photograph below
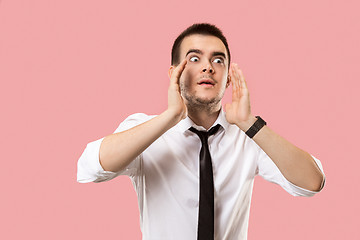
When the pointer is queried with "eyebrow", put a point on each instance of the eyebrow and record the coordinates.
(200, 52)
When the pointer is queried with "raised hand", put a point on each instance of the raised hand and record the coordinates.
(238, 111)
(176, 103)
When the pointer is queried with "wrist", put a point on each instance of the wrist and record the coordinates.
(172, 116)
(256, 127)
(246, 124)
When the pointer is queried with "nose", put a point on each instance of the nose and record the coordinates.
(208, 68)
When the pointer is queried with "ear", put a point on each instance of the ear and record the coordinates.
(171, 69)
(228, 81)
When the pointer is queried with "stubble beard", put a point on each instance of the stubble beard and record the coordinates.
(195, 103)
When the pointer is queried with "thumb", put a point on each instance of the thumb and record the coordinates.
(227, 107)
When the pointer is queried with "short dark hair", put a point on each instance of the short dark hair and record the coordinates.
(197, 28)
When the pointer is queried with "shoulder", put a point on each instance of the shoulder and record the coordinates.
(133, 120)
(139, 117)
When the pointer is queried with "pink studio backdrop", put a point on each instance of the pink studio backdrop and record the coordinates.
(71, 71)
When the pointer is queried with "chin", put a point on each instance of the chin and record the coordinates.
(207, 100)
(198, 99)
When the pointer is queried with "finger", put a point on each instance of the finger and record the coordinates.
(240, 74)
(236, 79)
(235, 84)
(178, 70)
(242, 79)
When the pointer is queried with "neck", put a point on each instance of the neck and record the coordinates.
(204, 117)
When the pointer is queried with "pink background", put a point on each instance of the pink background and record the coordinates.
(71, 71)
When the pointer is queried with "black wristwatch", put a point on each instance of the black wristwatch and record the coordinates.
(255, 127)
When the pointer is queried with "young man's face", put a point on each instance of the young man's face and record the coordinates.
(204, 79)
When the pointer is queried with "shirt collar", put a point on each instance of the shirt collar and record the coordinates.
(186, 123)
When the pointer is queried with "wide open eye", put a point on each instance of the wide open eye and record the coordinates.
(194, 59)
(218, 60)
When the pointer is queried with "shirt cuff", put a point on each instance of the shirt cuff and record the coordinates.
(89, 167)
(298, 191)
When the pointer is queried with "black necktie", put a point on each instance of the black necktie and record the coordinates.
(206, 196)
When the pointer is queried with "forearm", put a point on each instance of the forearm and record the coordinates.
(296, 165)
(119, 149)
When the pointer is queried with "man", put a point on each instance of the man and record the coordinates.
(191, 183)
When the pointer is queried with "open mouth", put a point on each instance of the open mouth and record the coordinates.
(206, 82)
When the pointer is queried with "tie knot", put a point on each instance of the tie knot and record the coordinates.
(203, 135)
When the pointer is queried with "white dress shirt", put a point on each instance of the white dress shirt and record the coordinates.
(166, 179)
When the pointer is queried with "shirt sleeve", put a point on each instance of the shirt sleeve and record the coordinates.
(270, 172)
(89, 168)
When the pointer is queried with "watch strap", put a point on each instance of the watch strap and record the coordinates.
(258, 124)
